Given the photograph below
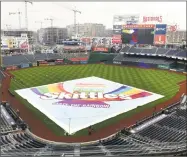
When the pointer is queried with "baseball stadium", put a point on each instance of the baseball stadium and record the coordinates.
(122, 96)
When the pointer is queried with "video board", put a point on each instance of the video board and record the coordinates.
(138, 34)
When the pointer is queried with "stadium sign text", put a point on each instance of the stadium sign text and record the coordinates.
(83, 95)
(160, 29)
(152, 19)
(11, 68)
(117, 62)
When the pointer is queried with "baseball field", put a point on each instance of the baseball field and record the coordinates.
(156, 81)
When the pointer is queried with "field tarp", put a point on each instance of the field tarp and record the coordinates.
(77, 104)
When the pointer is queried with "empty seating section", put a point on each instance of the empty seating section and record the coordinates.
(162, 51)
(173, 122)
(163, 134)
(53, 56)
(170, 129)
(17, 60)
(155, 51)
(181, 113)
(135, 50)
(4, 126)
(182, 54)
(85, 151)
(119, 57)
(19, 142)
(172, 53)
(130, 59)
(14, 60)
(42, 56)
(125, 49)
(30, 58)
(156, 138)
(149, 51)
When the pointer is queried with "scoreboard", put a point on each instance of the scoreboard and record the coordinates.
(138, 34)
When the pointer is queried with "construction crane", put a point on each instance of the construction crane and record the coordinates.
(50, 19)
(26, 16)
(75, 16)
(19, 16)
(40, 23)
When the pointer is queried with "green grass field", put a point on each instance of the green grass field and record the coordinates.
(157, 81)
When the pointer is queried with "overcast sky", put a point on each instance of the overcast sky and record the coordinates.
(92, 12)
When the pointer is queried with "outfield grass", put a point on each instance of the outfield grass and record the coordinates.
(157, 81)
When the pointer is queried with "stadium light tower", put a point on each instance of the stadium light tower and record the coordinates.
(26, 16)
(19, 16)
(75, 15)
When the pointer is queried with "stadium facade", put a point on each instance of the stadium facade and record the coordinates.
(18, 32)
(87, 30)
(172, 35)
(51, 35)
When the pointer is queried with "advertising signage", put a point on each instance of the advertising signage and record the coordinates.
(116, 41)
(83, 62)
(160, 40)
(34, 64)
(117, 62)
(100, 49)
(24, 65)
(11, 68)
(163, 66)
(160, 34)
(59, 61)
(117, 27)
(117, 32)
(42, 63)
(153, 19)
(160, 29)
(116, 36)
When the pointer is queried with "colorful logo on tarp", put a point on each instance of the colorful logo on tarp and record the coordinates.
(87, 94)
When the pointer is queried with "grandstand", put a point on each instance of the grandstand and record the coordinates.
(179, 54)
(26, 59)
(161, 134)
(152, 57)
(169, 138)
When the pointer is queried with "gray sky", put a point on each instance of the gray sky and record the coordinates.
(92, 12)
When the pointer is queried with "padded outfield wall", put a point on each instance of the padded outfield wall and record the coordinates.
(98, 57)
